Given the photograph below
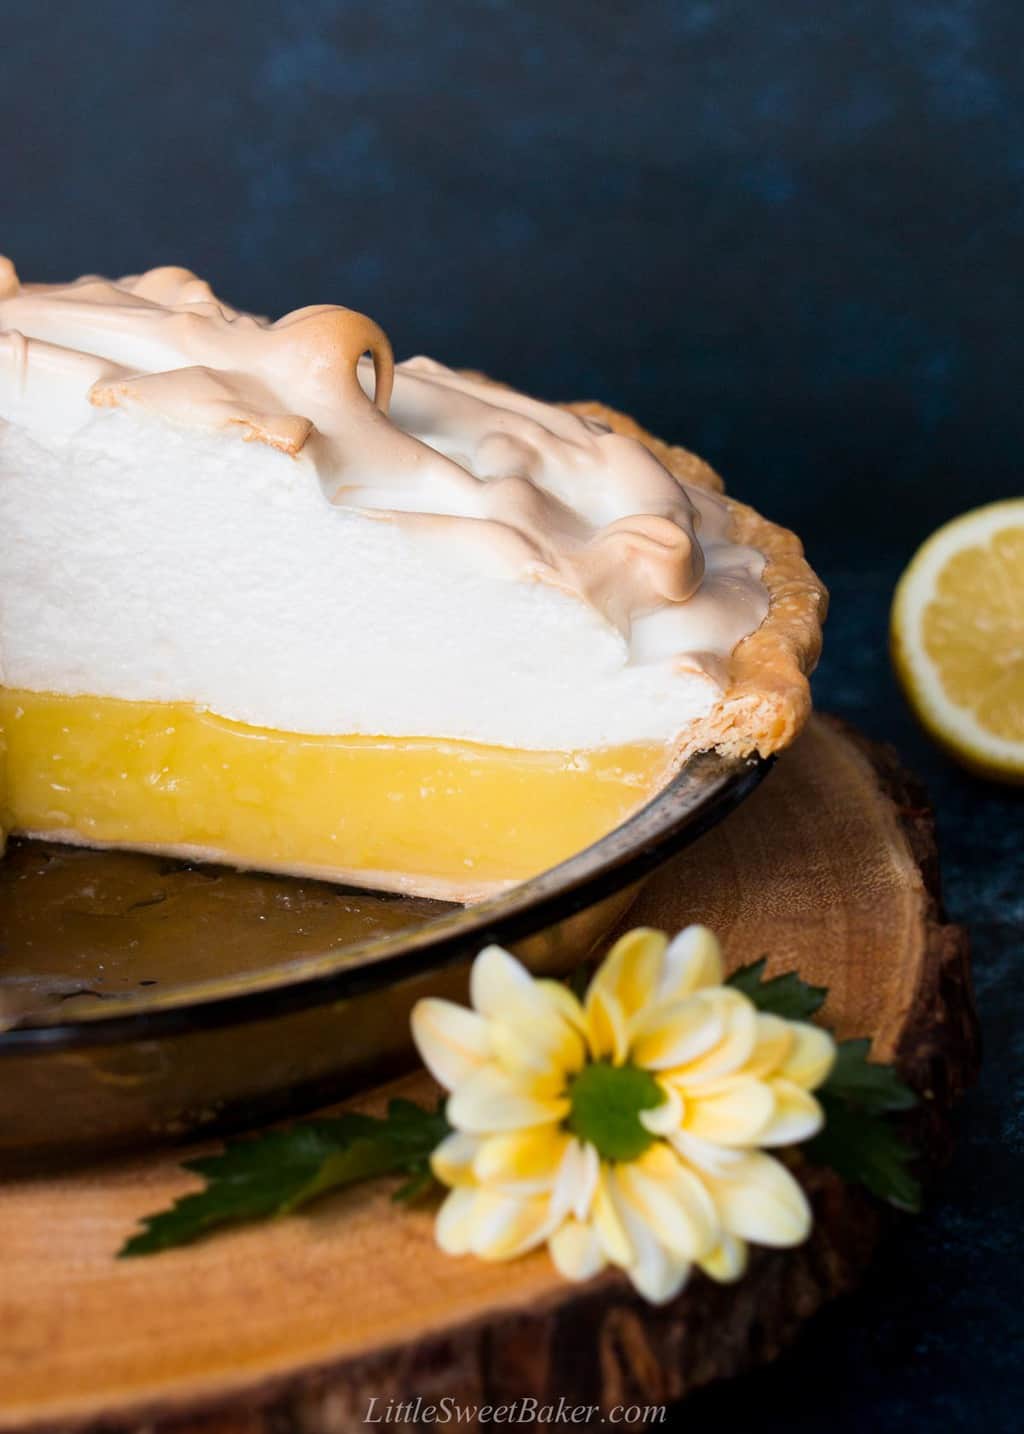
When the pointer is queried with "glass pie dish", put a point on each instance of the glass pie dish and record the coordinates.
(144, 999)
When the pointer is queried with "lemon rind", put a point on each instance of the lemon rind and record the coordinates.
(954, 727)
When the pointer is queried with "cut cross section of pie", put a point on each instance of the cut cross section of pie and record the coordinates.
(267, 599)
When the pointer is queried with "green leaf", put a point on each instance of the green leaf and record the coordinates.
(605, 1105)
(857, 1141)
(419, 1184)
(865, 1148)
(859, 1081)
(276, 1173)
(786, 995)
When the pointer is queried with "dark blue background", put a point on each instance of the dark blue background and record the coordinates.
(786, 234)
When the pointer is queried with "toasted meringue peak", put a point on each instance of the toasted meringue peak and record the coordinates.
(510, 486)
(8, 278)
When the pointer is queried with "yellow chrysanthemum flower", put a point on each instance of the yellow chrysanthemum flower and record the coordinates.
(624, 1130)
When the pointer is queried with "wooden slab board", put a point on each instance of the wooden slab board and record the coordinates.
(830, 868)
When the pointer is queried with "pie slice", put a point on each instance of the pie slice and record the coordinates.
(267, 599)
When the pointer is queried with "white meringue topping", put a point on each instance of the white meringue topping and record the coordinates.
(471, 477)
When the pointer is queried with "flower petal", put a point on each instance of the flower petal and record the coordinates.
(739, 1021)
(797, 1116)
(732, 1112)
(498, 981)
(665, 1118)
(451, 1041)
(504, 1227)
(811, 1058)
(704, 1156)
(522, 1161)
(576, 1251)
(506, 995)
(491, 1100)
(657, 1272)
(727, 1260)
(624, 984)
(692, 960)
(454, 1224)
(524, 1055)
(563, 1000)
(671, 1202)
(577, 1181)
(452, 1160)
(607, 1027)
(671, 1035)
(773, 1044)
(759, 1200)
(608, 1223)
(659, 1275)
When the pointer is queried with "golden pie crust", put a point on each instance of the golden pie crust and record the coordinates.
(767, 696)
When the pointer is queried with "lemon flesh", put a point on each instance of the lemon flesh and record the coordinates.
(958, 638)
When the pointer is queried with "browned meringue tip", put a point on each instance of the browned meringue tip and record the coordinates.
(332, 340)
(9, 284)
(672, 561)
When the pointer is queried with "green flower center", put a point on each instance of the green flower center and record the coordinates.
(606, 1105)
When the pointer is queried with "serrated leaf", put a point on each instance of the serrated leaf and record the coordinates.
(786, 995)
(859, 1081)
(419, 1184)
(865, 1148)
(274, 1174)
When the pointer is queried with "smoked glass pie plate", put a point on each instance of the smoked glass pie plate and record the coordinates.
(143, 999)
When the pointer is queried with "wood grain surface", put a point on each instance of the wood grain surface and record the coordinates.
(291, 1328)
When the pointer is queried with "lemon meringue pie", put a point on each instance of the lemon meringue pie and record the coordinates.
(268, 599)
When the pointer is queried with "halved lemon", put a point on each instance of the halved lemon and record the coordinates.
(957, 632)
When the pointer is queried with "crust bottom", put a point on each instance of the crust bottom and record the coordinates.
(462, 893)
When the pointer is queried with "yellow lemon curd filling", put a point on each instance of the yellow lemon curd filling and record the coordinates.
(414, 813)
